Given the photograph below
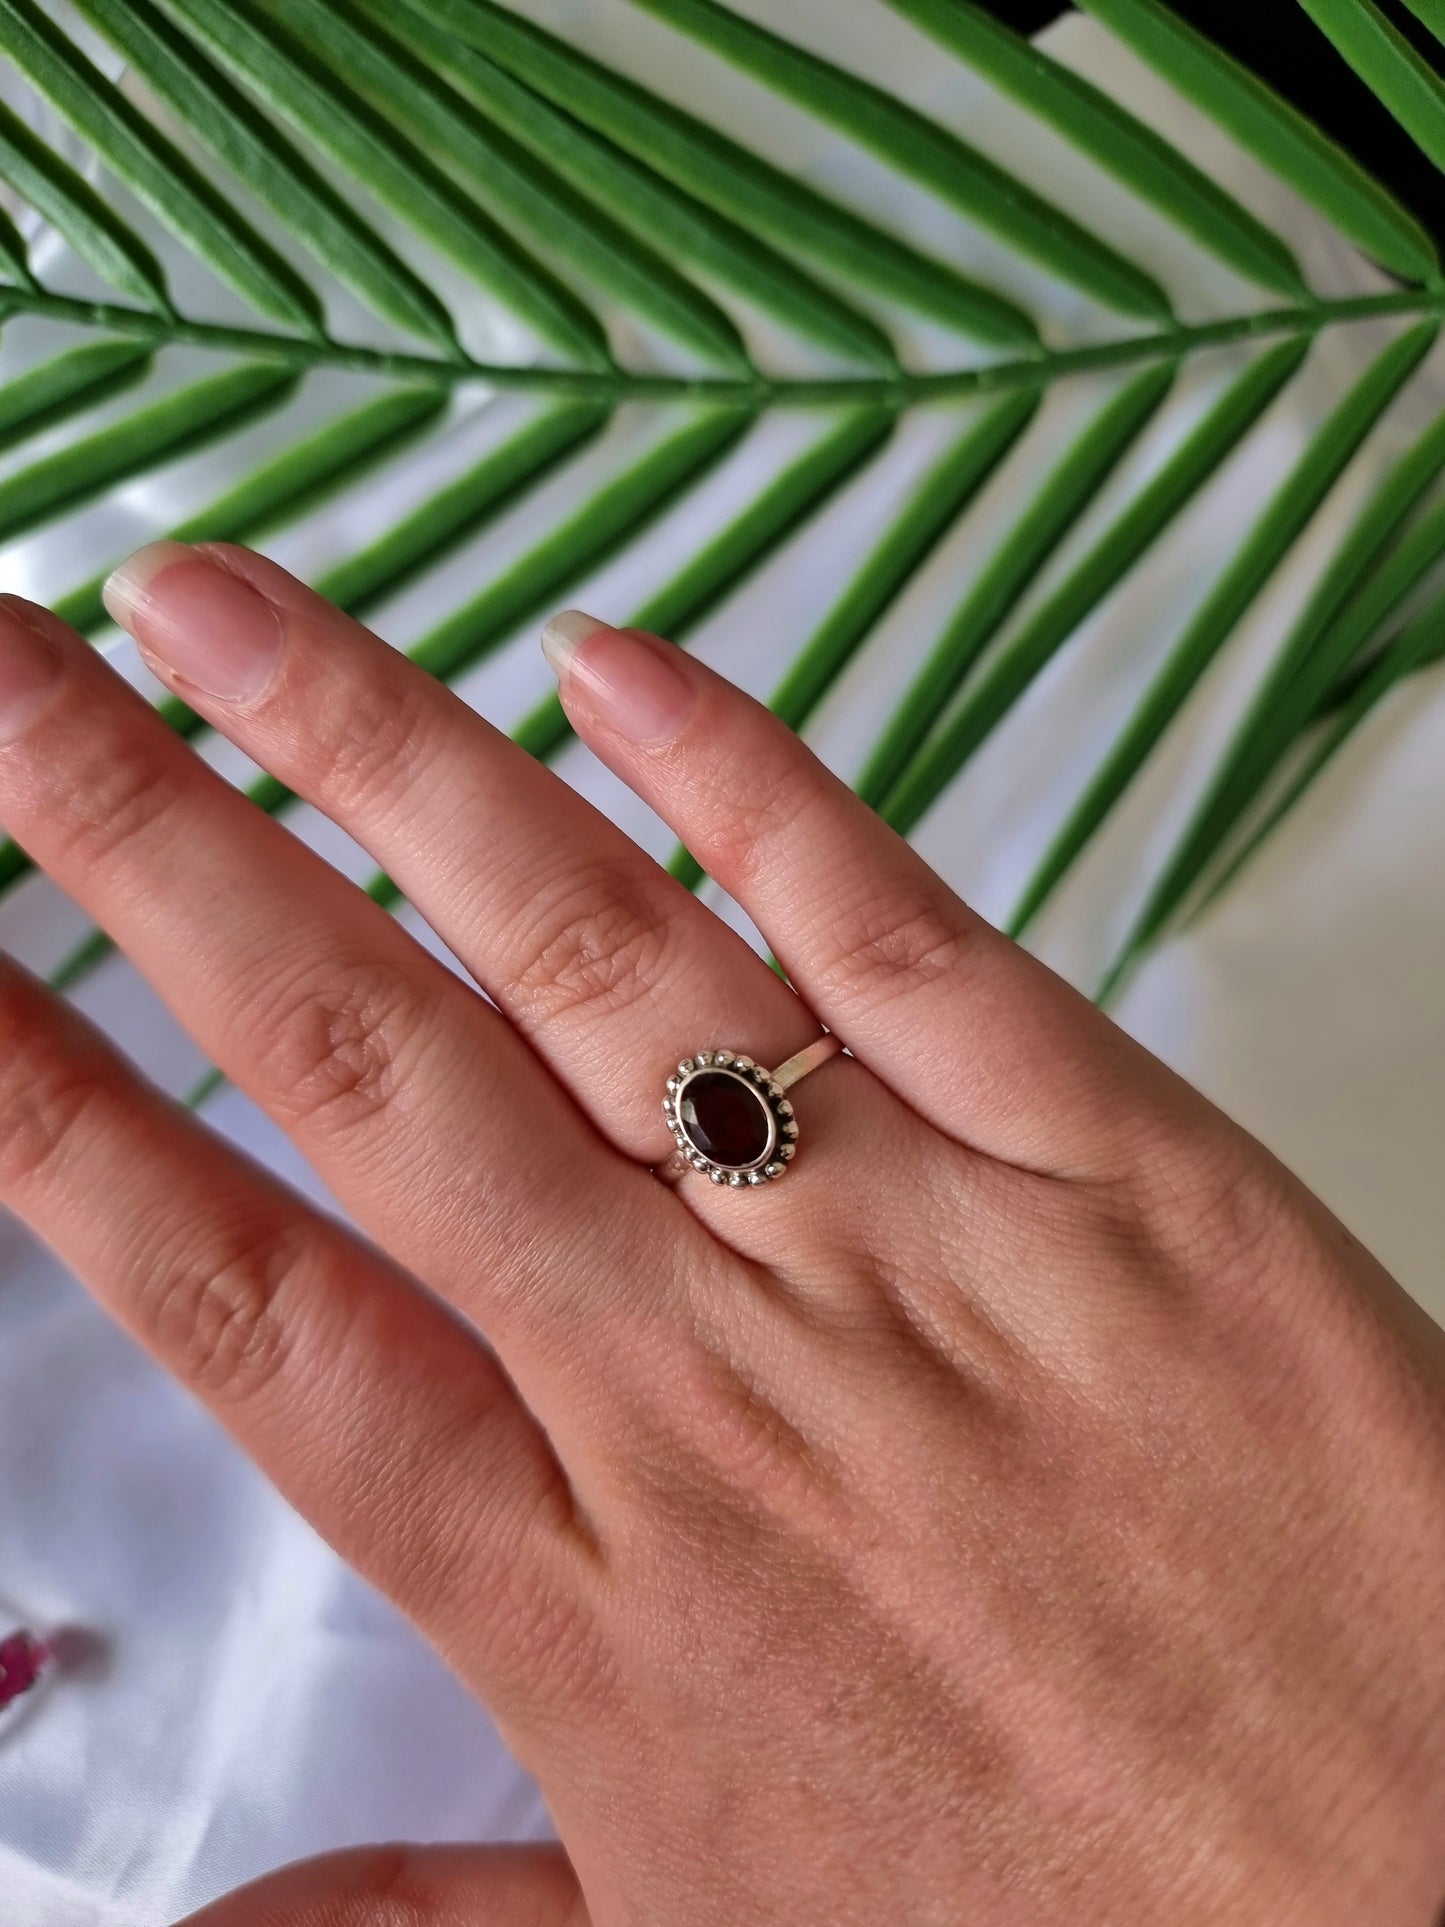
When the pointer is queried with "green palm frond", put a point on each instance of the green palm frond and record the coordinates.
(470, 314)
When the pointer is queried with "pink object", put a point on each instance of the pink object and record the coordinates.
(22, 1660)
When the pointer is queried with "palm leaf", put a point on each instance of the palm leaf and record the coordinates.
(1430, 13)
(723, 174)
(1349, 197)
(645, 203)
(1284, 519)
(154, 170)
(1417, 646)
(921, 149)
(1389, 66)
(910, 768)
(254, 152)
(1340, 620)
(68, 384)
(257, 273)
(73, 208)
(1121, 143)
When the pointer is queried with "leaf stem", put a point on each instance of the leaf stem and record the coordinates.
(896, 391)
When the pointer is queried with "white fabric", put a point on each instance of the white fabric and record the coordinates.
(247, 1700)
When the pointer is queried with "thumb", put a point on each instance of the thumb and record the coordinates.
(522, 1886)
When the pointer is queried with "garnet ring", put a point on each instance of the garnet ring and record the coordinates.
(731, 1117)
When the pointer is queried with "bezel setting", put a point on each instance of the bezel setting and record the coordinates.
(763, 1088)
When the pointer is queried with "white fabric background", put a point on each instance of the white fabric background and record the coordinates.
(245, 1699)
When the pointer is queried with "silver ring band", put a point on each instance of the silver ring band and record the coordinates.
(731, 1118)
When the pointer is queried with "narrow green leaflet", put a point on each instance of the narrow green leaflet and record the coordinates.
(335, 456)
(1430, 13)
(727, 176)
(693, 234)
(67, 384)
(925, 152)
(1389, 66)
(73, 208)
(251, 149)
(378, 159)
(907, 768)
(1346, 686)
(14, 258)
(737, 550)
(926, 517)
(1352, 600)
(1293, 147)
(1109, 134)
(1285, 518)
(155, 172)
(1284, 707)
(463, 508)
(158, 433)
(518, 190)
(1419, 645)
(1040, 638)
(745, 542)
(618, 510)
(1428, 649)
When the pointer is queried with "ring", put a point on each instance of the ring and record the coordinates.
(731, 1118)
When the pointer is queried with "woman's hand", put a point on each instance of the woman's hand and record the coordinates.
(1028, 1510)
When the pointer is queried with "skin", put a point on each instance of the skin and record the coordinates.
(1029, 1510)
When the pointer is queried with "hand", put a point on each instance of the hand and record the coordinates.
(1030, 1509)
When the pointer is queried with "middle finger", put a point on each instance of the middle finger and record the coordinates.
(611, 969)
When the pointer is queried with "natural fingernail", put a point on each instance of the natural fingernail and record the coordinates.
(631, 683)
(29, 667)
(196, 619)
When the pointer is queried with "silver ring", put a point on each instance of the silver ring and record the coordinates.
(731, 1118)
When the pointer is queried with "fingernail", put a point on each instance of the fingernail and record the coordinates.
(630, 683)
(29, 667)
(197, 620)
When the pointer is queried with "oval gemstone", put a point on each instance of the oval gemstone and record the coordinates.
(727, 1118)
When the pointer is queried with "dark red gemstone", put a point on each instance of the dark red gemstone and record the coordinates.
(726, 1118)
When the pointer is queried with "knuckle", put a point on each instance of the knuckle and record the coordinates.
(532, 1619)
(376, 743)
(892, 946)
(781, 788)
(708, 1428)
(1212, 1208)
(1231, 1215)
(215, 1307)
(41, 1107)
(599, 946)
(115, 797)
(390, 1886)
(341, 1046)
